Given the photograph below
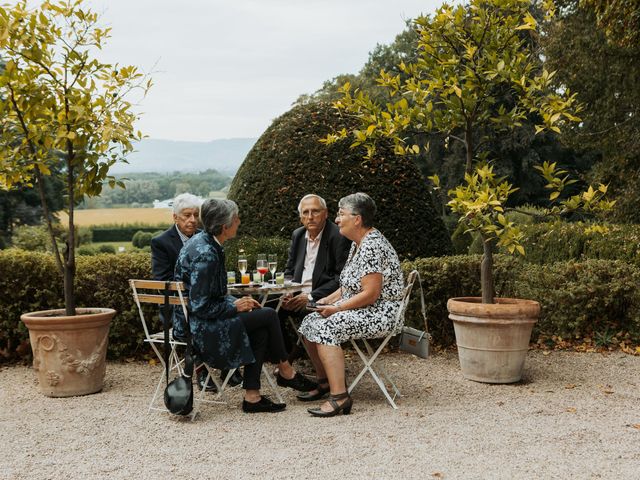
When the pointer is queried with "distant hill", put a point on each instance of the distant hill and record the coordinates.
(225, 156)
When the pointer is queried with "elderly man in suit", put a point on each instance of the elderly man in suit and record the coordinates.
(316, 257)
(164, 254)
(166, 247)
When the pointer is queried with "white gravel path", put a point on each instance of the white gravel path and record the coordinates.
(574, 415)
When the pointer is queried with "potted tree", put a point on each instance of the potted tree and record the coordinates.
(477, 75)
(63, 114)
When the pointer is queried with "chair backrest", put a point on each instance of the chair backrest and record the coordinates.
(406, 296)
(152, 292)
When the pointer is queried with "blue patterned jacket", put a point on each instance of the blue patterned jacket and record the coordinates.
(218, 334)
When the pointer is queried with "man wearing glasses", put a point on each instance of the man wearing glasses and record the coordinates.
(316, 257)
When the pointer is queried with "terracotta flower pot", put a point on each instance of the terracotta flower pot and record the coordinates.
(69, 353)
(493, 339)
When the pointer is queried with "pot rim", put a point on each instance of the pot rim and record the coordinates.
(505, 308)
(57, 319)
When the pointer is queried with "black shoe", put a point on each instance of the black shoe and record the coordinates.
(311, 397)
(234, 381)
(202, 377)
(298, 382)
(264, 405)
(344, 408)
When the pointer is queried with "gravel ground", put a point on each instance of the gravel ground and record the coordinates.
(574, 415)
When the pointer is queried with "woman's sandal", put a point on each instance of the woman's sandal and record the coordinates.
(345, 408)
(312, 397)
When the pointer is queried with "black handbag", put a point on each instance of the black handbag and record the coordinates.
(178, 395)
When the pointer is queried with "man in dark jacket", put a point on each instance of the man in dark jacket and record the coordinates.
(316, 256)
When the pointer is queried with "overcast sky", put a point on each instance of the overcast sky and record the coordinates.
(227, 68)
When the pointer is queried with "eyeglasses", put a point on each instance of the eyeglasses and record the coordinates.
(311, 213)
(340, 215)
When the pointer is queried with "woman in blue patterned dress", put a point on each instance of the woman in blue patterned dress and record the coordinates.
(228, 332)
(365, 305)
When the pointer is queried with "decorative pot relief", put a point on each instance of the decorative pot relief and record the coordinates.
(47, 343)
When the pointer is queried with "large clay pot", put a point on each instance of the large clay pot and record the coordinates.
(69, 352)
(492, 339)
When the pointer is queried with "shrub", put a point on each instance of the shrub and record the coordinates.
(577, 299)
(142, 239)
(86, 250)
(106, 249)
(561, 241)
(35, 238)
(254, 246)
(288, 161)
(122, 233)
(101, 281)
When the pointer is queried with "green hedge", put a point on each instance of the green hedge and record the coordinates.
(578, 298)
(560, 241)
(122, 233)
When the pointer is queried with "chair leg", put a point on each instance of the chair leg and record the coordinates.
(272, 383)
(368, 362)
(156, 393)
(383, 372)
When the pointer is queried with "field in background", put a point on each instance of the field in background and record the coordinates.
(111, 216)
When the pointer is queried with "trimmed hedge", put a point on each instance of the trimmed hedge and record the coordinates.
(122, 233)
(578, 298)
(288, 161)
(561, 241)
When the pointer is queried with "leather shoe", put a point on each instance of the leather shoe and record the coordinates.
(234, 381)
(311, 397)
(264, 405)
(202, 377)
(298, 382)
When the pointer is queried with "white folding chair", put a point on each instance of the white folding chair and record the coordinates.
(147, 292)
(371, 355)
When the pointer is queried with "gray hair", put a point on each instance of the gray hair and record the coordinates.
(307, 197)
(360, 204)
(216, 213)
(185, 200)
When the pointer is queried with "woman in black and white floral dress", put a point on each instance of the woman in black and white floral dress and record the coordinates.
(365, 305)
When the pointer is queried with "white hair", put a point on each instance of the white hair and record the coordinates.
(307, 197)
(186, 200)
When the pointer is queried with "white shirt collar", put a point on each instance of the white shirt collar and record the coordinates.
(182, 236)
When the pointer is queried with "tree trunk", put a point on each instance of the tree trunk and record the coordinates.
(486, 270)
(69, 253)
(468, 141)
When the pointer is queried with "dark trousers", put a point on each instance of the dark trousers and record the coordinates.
(289, 335)
(265, 336)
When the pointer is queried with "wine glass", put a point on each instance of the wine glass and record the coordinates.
(273, 265)
(242, 264)
(262, 265)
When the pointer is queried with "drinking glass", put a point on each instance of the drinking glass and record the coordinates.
(262, 265)
(273, 265)
(280, 278)
(242, 264)
(231, 278)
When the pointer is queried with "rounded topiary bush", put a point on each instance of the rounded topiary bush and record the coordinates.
(288, 161)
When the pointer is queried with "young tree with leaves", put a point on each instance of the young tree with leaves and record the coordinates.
(63, 113)
(475, 74)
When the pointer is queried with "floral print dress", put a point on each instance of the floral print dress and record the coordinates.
(374, 255)
(218, 334)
